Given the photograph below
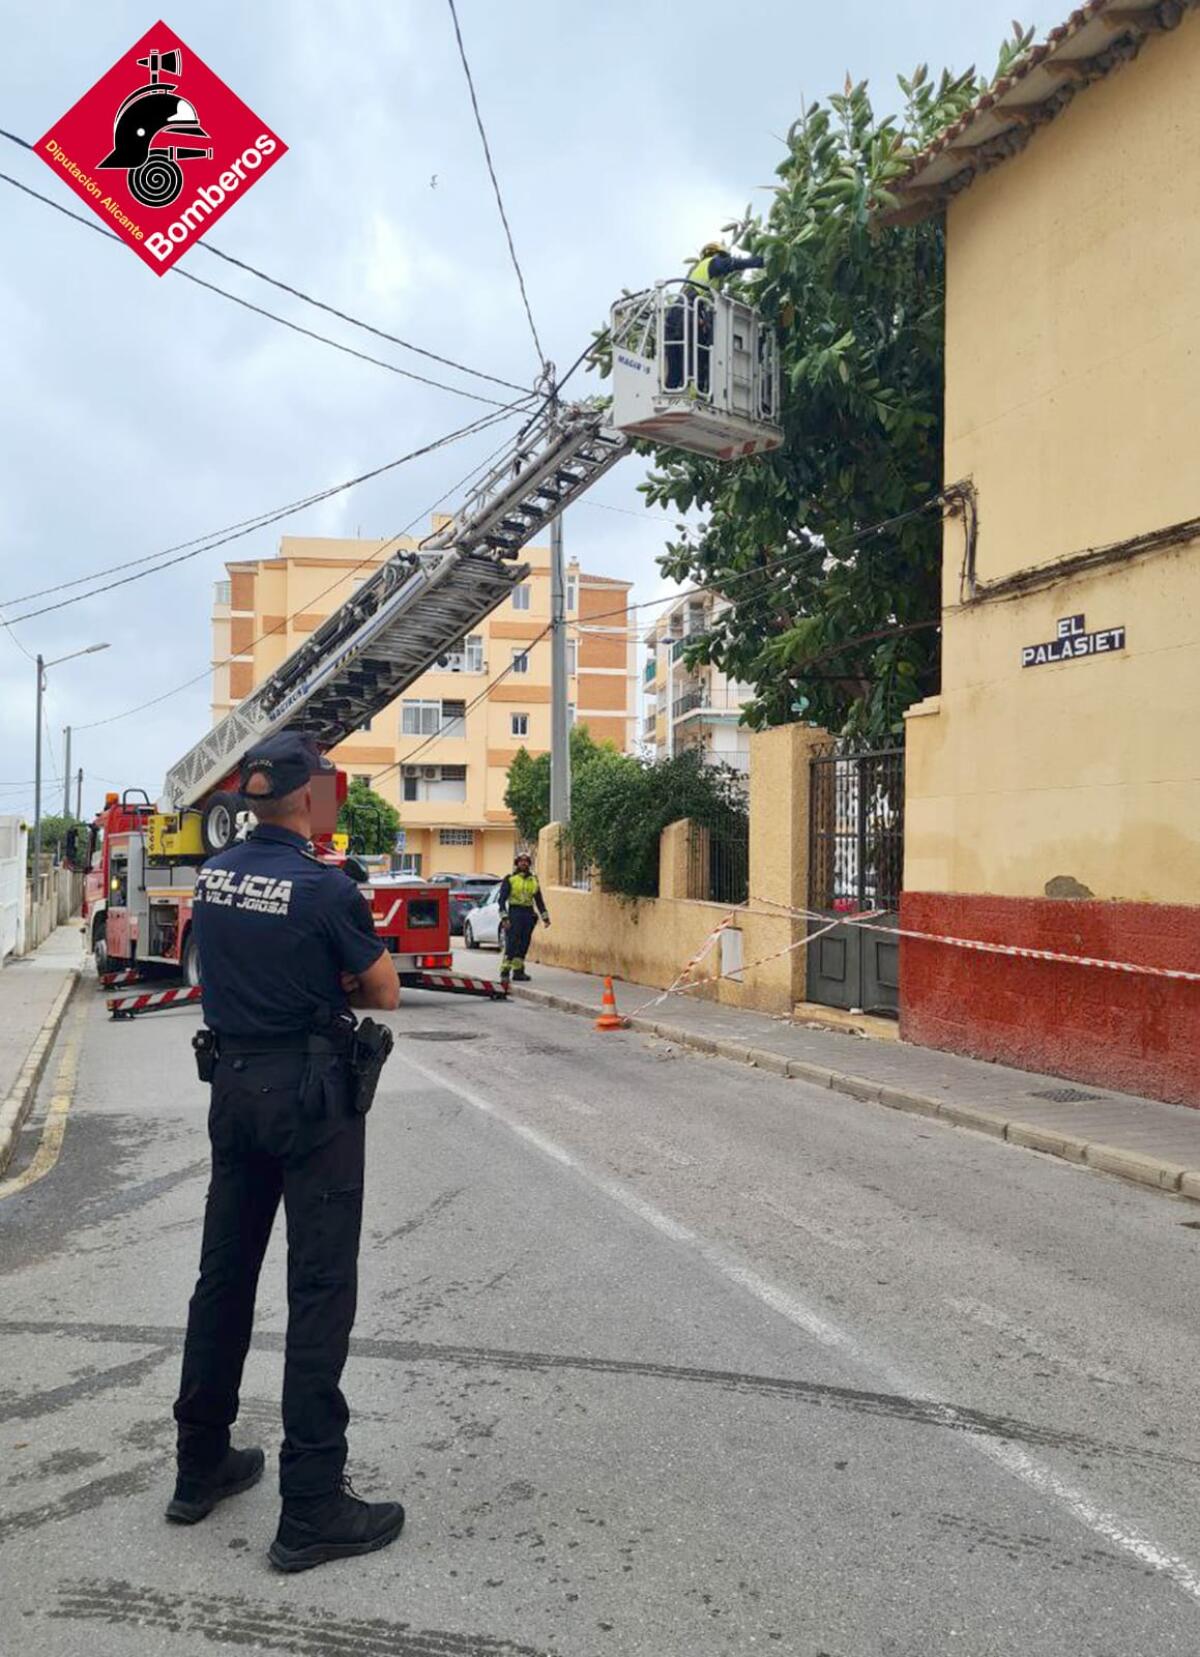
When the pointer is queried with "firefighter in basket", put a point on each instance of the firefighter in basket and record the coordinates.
(705, 276)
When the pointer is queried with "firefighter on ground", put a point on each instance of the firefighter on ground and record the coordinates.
(706, 275)
(521, 903)
(286, 946)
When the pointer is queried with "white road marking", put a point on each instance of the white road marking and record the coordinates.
(1013, 1460)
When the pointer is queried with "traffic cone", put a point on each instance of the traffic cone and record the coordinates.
(610, 1018)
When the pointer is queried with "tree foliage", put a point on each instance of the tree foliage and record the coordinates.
(621, 804)
(527, 794)
(55, 829)
(842, 633)
(369, 819)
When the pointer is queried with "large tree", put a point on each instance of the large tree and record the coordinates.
(369, 819)
(843, 631)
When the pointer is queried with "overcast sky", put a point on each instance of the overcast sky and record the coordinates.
(139, 411)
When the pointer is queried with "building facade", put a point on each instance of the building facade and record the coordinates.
(691, 707)
(441, 761)
(1053, 788)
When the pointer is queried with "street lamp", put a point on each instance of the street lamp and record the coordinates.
(88, 650)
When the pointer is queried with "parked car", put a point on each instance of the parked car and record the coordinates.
(466, 891)
(483, 927)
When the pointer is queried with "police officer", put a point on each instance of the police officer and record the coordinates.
(520, 895)
(286, 945)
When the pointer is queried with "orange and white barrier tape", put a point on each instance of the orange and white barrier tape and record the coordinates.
(674, 987)
(1019, 950)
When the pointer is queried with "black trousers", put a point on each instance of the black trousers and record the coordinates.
(281, 1125)
(521, 922)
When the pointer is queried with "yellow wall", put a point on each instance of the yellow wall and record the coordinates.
(1072, 402)
(650, 941)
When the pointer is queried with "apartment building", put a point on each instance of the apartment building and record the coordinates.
(442, 762)
(691, 707)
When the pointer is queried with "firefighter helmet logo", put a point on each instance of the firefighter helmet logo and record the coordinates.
(160, 147)
(155, 176)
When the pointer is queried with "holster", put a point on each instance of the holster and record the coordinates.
(204, 1046)
(370, 1048)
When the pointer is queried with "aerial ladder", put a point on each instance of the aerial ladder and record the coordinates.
(692, 369)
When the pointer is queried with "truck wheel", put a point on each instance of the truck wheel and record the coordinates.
(468, 936)
(218, 821)
(100, 953)
(190, 964)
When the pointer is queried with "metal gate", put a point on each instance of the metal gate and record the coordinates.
(855, 865)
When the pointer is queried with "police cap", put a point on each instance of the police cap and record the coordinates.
(287, 760)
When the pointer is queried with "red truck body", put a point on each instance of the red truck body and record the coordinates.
(138, 910)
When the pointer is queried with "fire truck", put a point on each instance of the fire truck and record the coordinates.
(138, 887)
(691, 368)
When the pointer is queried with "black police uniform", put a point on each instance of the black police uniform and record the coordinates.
(275, 928)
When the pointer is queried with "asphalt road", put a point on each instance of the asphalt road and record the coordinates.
(665, 1356)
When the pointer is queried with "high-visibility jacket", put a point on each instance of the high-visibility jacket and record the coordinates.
(700, 275)
(520, 891)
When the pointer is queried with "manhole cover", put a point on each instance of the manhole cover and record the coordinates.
(438, 1035)
(1066, 1095)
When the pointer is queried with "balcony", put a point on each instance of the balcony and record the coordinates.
(678, 646)
(722, 703)
(650, 672)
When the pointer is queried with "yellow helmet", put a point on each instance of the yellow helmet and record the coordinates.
(711, 248)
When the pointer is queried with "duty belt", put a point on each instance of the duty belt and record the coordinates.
(296, 1041)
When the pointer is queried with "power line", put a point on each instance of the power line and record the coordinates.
(357, 322)
(321, 305)
(343, 575)
(259, 310)
(250, 526)
(462, 52)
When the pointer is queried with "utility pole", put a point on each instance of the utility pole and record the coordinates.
(66, 770)
(560, 737)
(37, 783)
(79, 795)
(88, 650)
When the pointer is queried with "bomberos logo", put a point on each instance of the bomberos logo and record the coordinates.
(160, 128)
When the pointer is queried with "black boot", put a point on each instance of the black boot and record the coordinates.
(196, 1494)
(337, 1526)
(521, 977)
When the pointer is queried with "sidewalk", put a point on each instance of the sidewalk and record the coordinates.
(1120, 1133)
(34, 992)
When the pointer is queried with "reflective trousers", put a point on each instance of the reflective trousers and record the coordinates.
(273, 1135)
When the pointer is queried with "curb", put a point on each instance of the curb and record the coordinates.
(17, 1106)
(1132, 1166)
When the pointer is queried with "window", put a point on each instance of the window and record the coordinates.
(464, 657)
(419, 718)
(570, 713)
(519, 723)
(572, 658)
(572, 592)
(454, 719)
(221, 590)
(456, 837)
(410, 863)
(520, 661)
(521, 597)
(434, 782)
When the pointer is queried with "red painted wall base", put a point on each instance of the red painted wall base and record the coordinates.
(1120, 1030)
